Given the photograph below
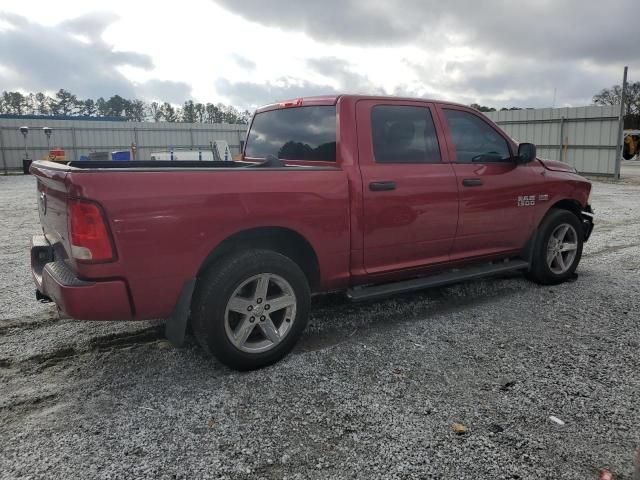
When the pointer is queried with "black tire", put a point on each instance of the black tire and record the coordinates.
(541, 272)
(217, 286)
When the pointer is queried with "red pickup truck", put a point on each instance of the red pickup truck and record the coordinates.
(368, 195)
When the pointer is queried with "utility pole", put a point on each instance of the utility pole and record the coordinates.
(623, 95)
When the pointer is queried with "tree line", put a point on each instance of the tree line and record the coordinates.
(482, 108)
(68, 104)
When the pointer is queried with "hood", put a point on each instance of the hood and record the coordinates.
(557, 166)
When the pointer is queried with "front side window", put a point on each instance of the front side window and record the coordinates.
(475, 140)
(300, 133)
(403, 134)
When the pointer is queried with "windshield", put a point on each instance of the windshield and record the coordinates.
(302, 133)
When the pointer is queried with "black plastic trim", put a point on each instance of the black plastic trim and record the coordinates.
(385, 290)
(62, 273)
(176, 325)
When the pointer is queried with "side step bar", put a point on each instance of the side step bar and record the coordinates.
(359, 294)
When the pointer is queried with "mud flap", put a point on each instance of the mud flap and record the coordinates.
(176, 325)
(528, 250)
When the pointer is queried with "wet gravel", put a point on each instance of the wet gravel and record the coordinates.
(372, 391)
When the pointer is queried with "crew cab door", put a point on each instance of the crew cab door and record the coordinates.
(410, 195)
(497, 196)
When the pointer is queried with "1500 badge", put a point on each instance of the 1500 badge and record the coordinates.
(526, 200)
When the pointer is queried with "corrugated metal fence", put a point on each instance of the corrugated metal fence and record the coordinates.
(584, 137)
(80, 137)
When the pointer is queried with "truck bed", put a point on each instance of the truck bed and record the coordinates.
(167, 217)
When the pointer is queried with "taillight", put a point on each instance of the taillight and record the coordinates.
(88, 232)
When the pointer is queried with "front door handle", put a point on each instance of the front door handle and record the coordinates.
(471, 182)
(382, 186)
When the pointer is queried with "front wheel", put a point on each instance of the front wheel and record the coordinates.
(250, 308)
(558, 248)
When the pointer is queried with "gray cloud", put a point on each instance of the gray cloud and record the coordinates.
(250, 94)
(348, 80)
(42, 57)
(163, 90)
(243, 62)
(574, 46)
(518, 82)
(341, 76)
(334, 20)
(571, 29)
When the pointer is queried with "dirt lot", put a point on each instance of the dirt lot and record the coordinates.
(372, 391)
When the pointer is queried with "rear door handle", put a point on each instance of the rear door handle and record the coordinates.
(471, 182)
(382, 186)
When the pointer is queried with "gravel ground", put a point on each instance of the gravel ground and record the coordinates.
(372, 391)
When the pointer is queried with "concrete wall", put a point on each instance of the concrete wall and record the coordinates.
(584, 137)
(80, 137)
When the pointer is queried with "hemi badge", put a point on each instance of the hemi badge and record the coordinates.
(543, 198)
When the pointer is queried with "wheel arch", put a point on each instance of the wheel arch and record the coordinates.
(568, 204)
(285, 241)
(565, 204)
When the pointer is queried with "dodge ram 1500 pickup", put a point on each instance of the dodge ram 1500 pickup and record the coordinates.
(368, 195)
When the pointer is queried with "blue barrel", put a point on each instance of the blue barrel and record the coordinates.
(121, 155)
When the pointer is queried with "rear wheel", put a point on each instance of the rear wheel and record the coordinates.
(558, 248)
(250, 309)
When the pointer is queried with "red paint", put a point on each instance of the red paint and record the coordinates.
(165, 224)
(103, 300)
(556, 166)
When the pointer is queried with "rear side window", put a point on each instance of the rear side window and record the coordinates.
(301, 133)
(475, 140)
(403, 134)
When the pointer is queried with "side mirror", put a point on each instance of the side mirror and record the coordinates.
(526, 153)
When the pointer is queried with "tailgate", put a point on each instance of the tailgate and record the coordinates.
(52, 206)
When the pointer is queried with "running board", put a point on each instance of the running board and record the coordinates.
(359, 294)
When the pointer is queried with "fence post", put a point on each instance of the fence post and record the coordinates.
(4, 160)
(191, 137)
(620, 125)
(560, 157)
(73, 143)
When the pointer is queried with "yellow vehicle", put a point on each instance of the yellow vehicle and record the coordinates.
(631, 144)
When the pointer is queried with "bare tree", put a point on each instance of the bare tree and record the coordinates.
(612, 96)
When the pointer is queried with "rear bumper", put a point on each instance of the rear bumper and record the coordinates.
(81, 299)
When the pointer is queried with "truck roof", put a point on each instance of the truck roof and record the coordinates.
(333, 99)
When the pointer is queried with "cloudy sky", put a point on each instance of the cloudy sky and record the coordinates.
(251, 52)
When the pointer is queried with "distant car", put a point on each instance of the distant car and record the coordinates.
(368, 195)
